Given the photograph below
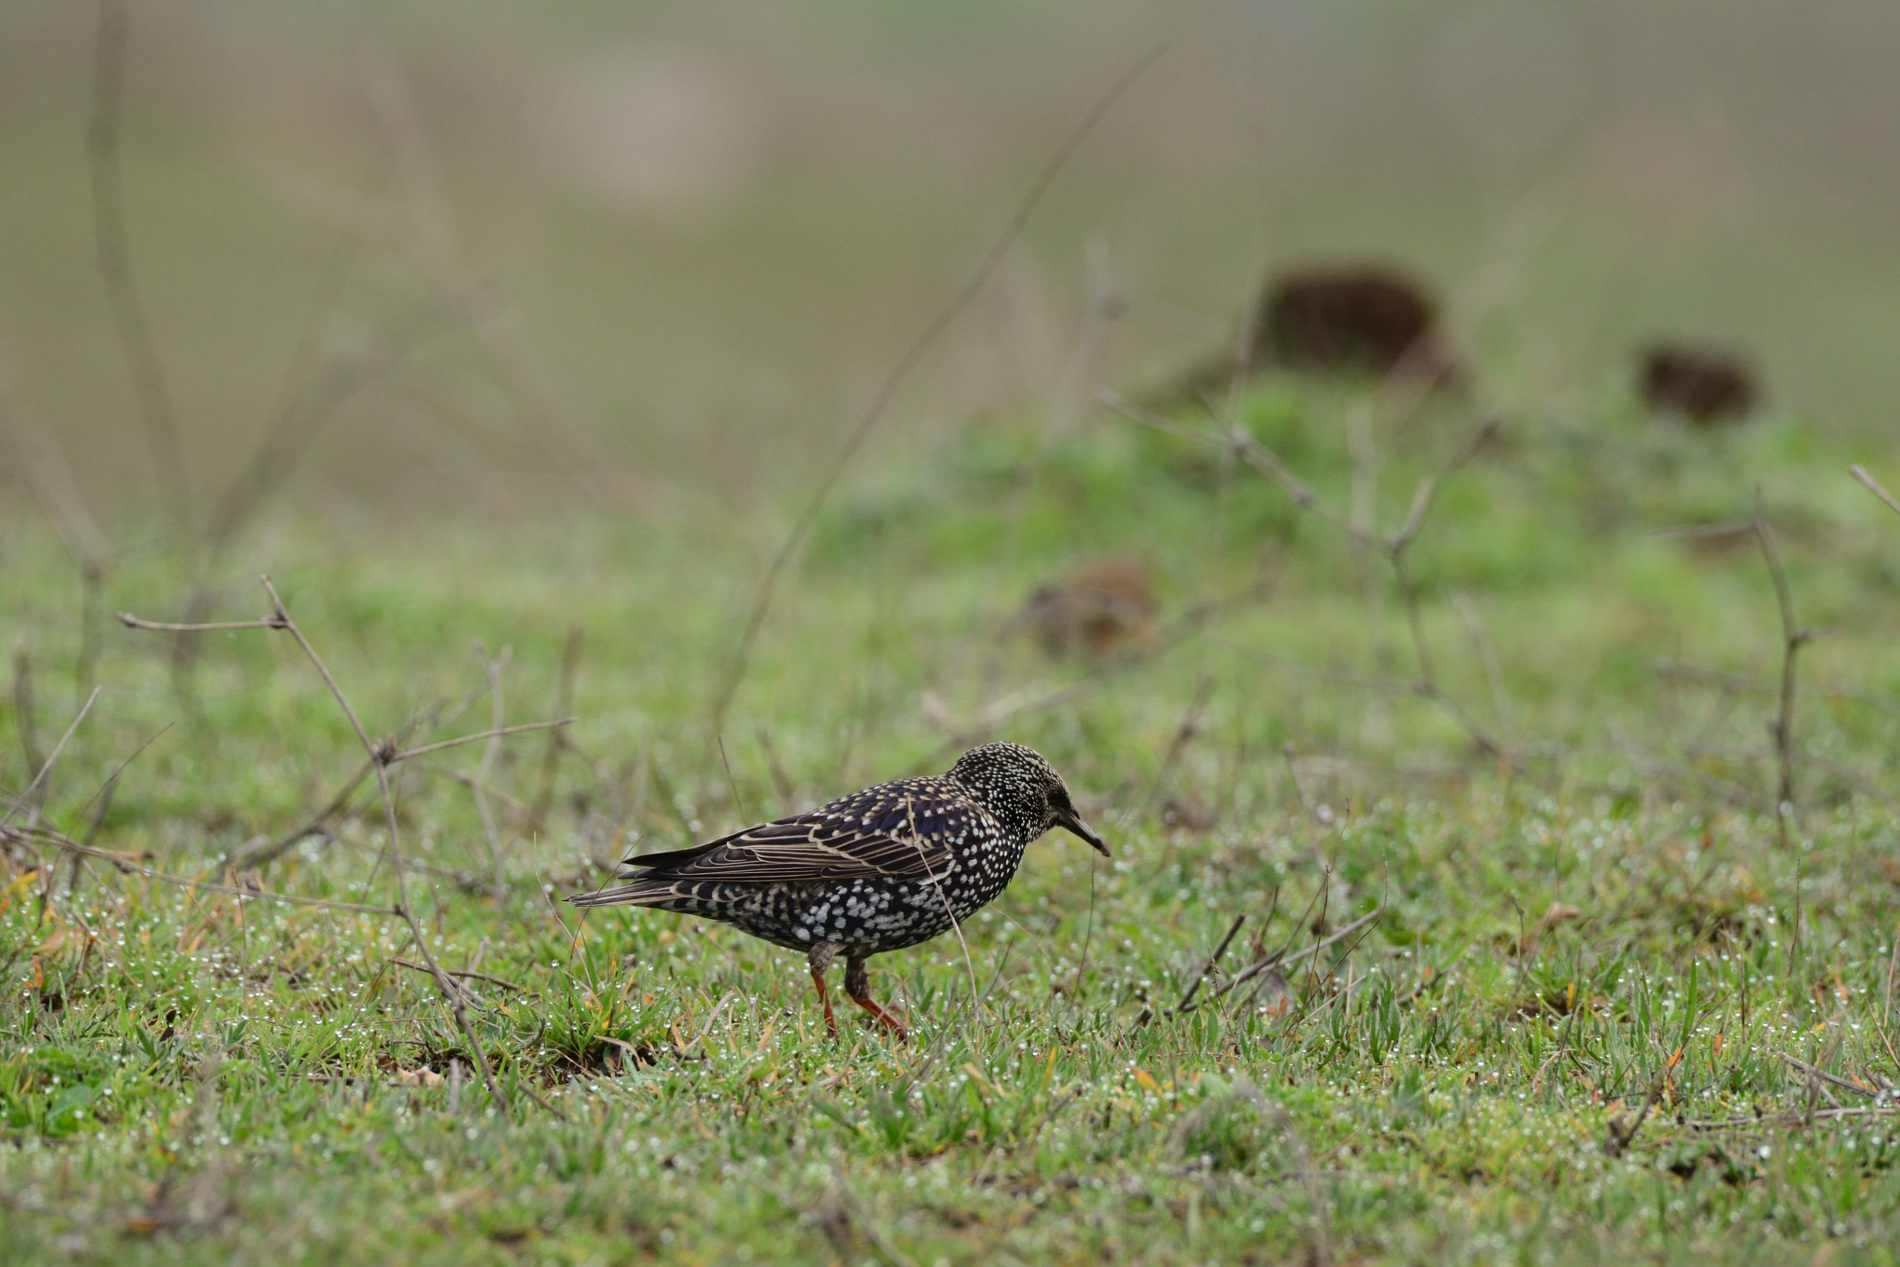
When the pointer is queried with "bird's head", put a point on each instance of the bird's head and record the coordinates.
(1022, 790)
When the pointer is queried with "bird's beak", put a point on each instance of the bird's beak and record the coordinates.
(1073, 821)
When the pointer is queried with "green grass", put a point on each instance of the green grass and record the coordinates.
(1603, 910)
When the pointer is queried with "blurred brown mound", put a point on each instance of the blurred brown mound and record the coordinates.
(1334, 320)
(1702, 385)
(1346, 320)
(1101, 609)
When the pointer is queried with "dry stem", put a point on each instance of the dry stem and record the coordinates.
(1792, 639)
(901, 372)
(115, 269)
(380, 756)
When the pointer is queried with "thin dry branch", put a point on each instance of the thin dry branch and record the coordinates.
(46, 835)
(46, 768)
(379, 755)
(60, 500)
(25, 716)
(1860, 473)
(1207, 968)
(1488, 657)
(1793, 637)
(302, 420)
(376, 754)
(464, 974)
(901, 372)
(1395, 548)
(557, 742)
(51, 479)
(478, 783)
(426, 230)
(1281, 959)
(496, 733)
(216, 626)
(115, 269)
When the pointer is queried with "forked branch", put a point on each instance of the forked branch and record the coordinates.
(380, 755)
(1395, 548)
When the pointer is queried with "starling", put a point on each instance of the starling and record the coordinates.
(881, 869)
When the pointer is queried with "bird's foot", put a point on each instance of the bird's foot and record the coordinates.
(884, 1018)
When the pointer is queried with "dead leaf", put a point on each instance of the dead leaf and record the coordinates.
(1556, 915)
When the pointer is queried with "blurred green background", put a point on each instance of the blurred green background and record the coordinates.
(696, 236)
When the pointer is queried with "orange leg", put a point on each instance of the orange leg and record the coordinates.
(857, 984)
(818, 979)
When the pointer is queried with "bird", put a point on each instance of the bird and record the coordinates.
(882, 869)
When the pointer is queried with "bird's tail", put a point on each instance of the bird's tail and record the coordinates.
(639, 893)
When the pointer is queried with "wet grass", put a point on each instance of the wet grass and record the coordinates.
(1571, 1034)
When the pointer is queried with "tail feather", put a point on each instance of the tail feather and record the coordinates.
(639, 893)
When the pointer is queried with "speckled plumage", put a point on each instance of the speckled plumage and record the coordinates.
(881, 869)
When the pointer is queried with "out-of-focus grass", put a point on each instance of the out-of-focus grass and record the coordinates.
(188, 1075)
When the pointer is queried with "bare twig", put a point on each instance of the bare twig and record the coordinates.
(376, 754)
(46, 835)
(520, 728)
(1394, 548)
(51, 480)
(25, 720)
(1281, 959)
(1793, 637)
(464, 973)
(1213, 962)
(1846, 1084)
(478, 784)
(1487, 656)
(46, 767)
(901, 372)
(1622, 1135)
(379, 755)
(1860, 473)
(101, 804)
(302, 420)
(424, 227)
(557, 741)
(115, 269)
(216, 626)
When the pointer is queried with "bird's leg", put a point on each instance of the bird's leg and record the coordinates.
(818, 960)
(857, 984)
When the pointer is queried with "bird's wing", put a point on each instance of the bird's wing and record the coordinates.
(901, 830)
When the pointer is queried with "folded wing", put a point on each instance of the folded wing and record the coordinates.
(903, 830)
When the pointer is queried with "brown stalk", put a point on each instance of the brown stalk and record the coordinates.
(39, 783)
(51, 480)
(46, 835)
(25, 721)
(425, 229)
(376, 754)
(301, 421)
(1793, 637)
(379, 755)
(1213, 962)
(1394, 548)
(517, 729)
(901, 372)
(557, 740)
(465, 973)
(478, 782)
(1280, 959)
(1621, 1134)
(1860, 473)
(115, 269)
